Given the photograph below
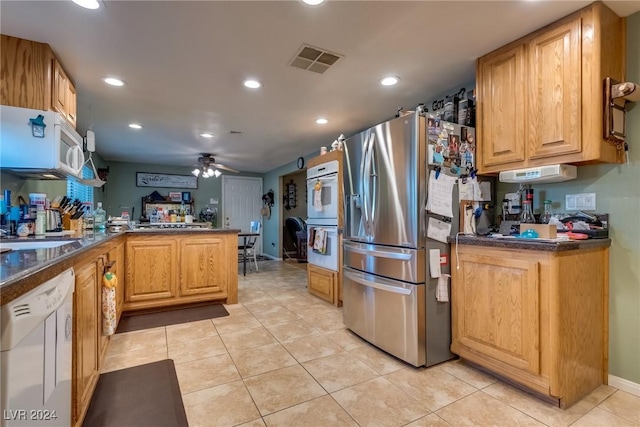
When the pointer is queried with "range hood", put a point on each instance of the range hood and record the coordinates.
(540, 174)
(31, 173)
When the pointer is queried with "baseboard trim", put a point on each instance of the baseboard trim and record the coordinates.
(624, 385)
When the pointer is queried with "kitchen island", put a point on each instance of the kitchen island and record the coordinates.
(21, 271)
(532, 312)
(154, 267)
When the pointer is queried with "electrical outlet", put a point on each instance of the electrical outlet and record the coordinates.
(580, 202)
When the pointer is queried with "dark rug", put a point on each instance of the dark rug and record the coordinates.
(145, 395)
(136, 322)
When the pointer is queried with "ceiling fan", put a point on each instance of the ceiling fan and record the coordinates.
(208, 167)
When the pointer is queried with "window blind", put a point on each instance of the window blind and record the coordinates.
(76, 190)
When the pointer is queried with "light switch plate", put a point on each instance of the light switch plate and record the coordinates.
(580, 202)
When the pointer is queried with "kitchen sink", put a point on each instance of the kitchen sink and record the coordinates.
(34, 244)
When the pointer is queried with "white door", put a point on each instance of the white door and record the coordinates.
(241, 203)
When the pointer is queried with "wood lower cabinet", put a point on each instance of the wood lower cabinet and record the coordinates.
(540, 98)
(86, 325)
(538, 318)
(164, 270)
(201, 271)
(89, 344)
(151, 269)
(116, 255)
(322, 282)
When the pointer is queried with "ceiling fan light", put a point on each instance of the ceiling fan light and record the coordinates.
(210, 172)
(205, 174)
(217, 173)
(196, 172)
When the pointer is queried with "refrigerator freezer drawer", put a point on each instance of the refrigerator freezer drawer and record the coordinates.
(387, 313)
(403, 264)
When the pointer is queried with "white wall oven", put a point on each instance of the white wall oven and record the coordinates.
(322, 215)
(322, 192)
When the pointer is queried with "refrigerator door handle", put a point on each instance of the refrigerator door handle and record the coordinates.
(366, 193)
(379, 254)
(374, 185)
(377, 284)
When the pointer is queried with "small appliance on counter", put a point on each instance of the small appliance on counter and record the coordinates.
(118, 224)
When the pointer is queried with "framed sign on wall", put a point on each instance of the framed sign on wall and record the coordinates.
(147, 179)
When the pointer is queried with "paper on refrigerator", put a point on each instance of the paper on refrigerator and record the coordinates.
(440, 194)
(438, 230)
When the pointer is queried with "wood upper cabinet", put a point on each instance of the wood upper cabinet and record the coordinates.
(26, 73)
(554, 92)
(151, 268)
(86, 325)
(201, 268)
(539, 318)
(64, 94)
(33, 77)
(501, 85)
(540, 98)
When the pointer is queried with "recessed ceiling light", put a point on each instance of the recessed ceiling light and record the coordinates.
(206, 135)
(313, 2)
(322, 121)
(252, 84)
(113, 81)
(135, 126)
(87, 4)
(389, 81)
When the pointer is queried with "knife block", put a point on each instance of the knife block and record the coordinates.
(66, 221)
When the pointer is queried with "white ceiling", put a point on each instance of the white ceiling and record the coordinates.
(184, 63)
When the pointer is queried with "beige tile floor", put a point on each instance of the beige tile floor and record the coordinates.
(283, 358)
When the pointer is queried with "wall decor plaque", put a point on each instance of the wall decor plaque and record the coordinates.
(147, 179)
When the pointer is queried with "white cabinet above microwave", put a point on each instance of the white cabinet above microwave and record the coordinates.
(51, 151)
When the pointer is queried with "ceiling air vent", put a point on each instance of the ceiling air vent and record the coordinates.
(314, 59)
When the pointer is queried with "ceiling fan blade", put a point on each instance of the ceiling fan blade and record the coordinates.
(227, 168)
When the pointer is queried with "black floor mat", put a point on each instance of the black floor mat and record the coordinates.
(145, 395)
(136, 322)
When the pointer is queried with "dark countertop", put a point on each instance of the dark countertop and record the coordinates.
(530, 244)
(19, 268)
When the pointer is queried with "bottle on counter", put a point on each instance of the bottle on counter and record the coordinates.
(41, 221)
(546, 214)
(526, 216)
(99, 218)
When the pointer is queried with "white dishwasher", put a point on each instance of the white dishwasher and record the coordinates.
(35, 349)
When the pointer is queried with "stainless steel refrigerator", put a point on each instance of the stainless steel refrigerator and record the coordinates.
(388, 295)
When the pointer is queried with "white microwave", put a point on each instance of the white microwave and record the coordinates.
(39, 144)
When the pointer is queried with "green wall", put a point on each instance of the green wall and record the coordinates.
(273, 226)
(617, 189)
(121, 191)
